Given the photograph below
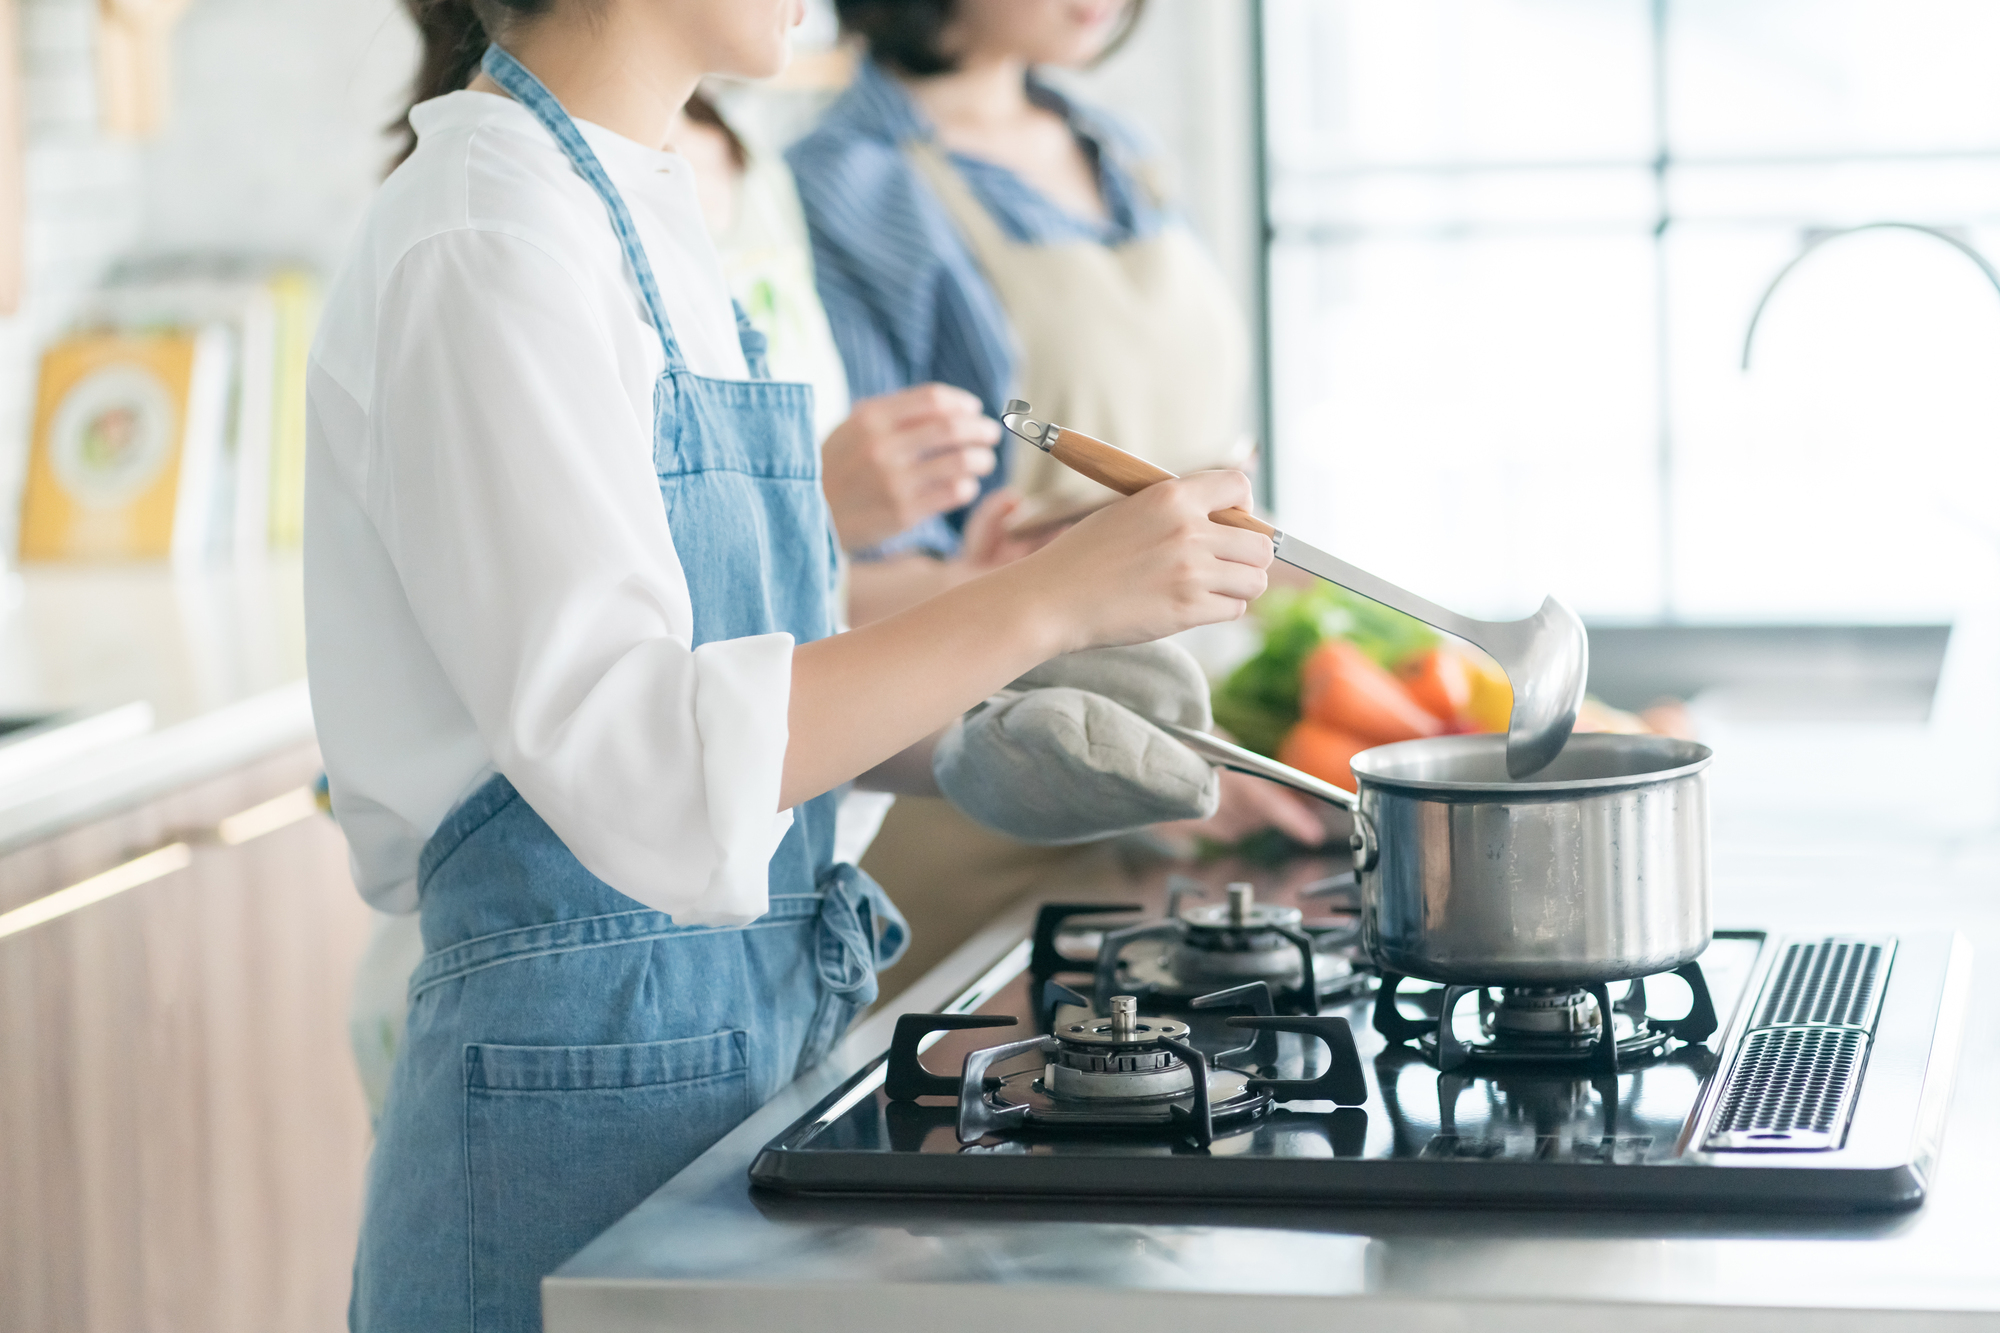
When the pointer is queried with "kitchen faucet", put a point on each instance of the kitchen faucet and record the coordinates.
(1816, 241)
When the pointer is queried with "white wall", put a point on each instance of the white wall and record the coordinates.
(276, 140)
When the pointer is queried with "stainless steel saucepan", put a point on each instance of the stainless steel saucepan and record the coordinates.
(1594, 870)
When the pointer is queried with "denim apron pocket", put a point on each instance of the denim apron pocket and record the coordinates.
(592, 1117)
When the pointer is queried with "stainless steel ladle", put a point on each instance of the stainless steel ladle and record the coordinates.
(1546, 657)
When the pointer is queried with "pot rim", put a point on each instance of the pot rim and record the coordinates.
(1693, 756)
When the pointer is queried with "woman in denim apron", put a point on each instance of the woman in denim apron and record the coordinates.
(569, 1048)
(566, 1114)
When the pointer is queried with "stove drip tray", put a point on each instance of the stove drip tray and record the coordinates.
(1577, 1026)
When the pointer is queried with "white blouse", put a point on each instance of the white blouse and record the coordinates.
(490, 582)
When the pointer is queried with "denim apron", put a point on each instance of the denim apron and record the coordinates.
(567, 1049)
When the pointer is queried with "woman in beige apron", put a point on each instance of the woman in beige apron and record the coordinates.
(1134, 339)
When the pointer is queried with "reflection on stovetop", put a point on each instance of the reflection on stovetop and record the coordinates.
(1529, 1115)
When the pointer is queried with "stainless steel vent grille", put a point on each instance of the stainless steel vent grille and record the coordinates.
(1791, 1088)
(1832, 981)
(1797, 1074)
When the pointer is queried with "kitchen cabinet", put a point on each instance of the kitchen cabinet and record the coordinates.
(182, 1135)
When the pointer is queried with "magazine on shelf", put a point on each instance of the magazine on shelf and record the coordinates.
(127, 446)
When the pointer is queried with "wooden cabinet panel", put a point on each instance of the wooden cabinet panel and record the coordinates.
(182, 1136)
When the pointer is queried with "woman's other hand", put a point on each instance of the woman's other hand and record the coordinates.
(1153, 564)
(878, 588)
(903, 457)
(987, 543)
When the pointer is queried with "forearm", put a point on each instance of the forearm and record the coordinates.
(861, 697)
(878, 589)
(907, 772)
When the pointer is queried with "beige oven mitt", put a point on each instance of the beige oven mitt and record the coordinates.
(1069, 753)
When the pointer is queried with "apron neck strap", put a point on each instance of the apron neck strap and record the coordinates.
(981, 233)
(531, 93)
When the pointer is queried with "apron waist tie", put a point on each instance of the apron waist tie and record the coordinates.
(860, 933)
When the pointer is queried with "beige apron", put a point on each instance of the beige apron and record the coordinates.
(1139, 344)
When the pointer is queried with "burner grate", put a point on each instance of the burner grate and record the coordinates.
(1832, 981)
(1791, 1088)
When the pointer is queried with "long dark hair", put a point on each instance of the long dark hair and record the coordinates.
(455, 35)
(908, 34)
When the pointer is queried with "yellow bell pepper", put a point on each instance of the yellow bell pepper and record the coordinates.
(1492, 700)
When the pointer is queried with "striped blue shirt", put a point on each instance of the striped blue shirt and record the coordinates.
(906, 301)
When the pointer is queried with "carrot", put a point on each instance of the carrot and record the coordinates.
(1341, 687)
(1440, 682)
(1325, 752)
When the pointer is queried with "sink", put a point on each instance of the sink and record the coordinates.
(32, 742)
(1822, 672)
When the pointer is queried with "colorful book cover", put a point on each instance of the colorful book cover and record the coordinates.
(104, 468)
(168, 294)
(125, 442)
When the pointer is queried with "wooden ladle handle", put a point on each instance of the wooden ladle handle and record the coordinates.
(1128, 474)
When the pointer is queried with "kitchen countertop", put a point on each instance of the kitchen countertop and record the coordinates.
(217, 654)
(1839, 827)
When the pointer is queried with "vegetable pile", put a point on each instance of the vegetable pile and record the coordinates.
(1339, 674)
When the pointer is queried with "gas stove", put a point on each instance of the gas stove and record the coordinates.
(1776, 1073)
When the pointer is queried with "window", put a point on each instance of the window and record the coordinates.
(1515, 248)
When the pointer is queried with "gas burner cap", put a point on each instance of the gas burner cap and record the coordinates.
(1123, 1027)
(1242, 911)
(1119, 1058)
(1262, 916)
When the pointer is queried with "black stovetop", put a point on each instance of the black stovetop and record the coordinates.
(1822, 1088)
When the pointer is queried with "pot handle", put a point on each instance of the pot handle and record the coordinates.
(1225, 755)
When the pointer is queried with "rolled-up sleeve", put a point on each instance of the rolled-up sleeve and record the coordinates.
(510, 476)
